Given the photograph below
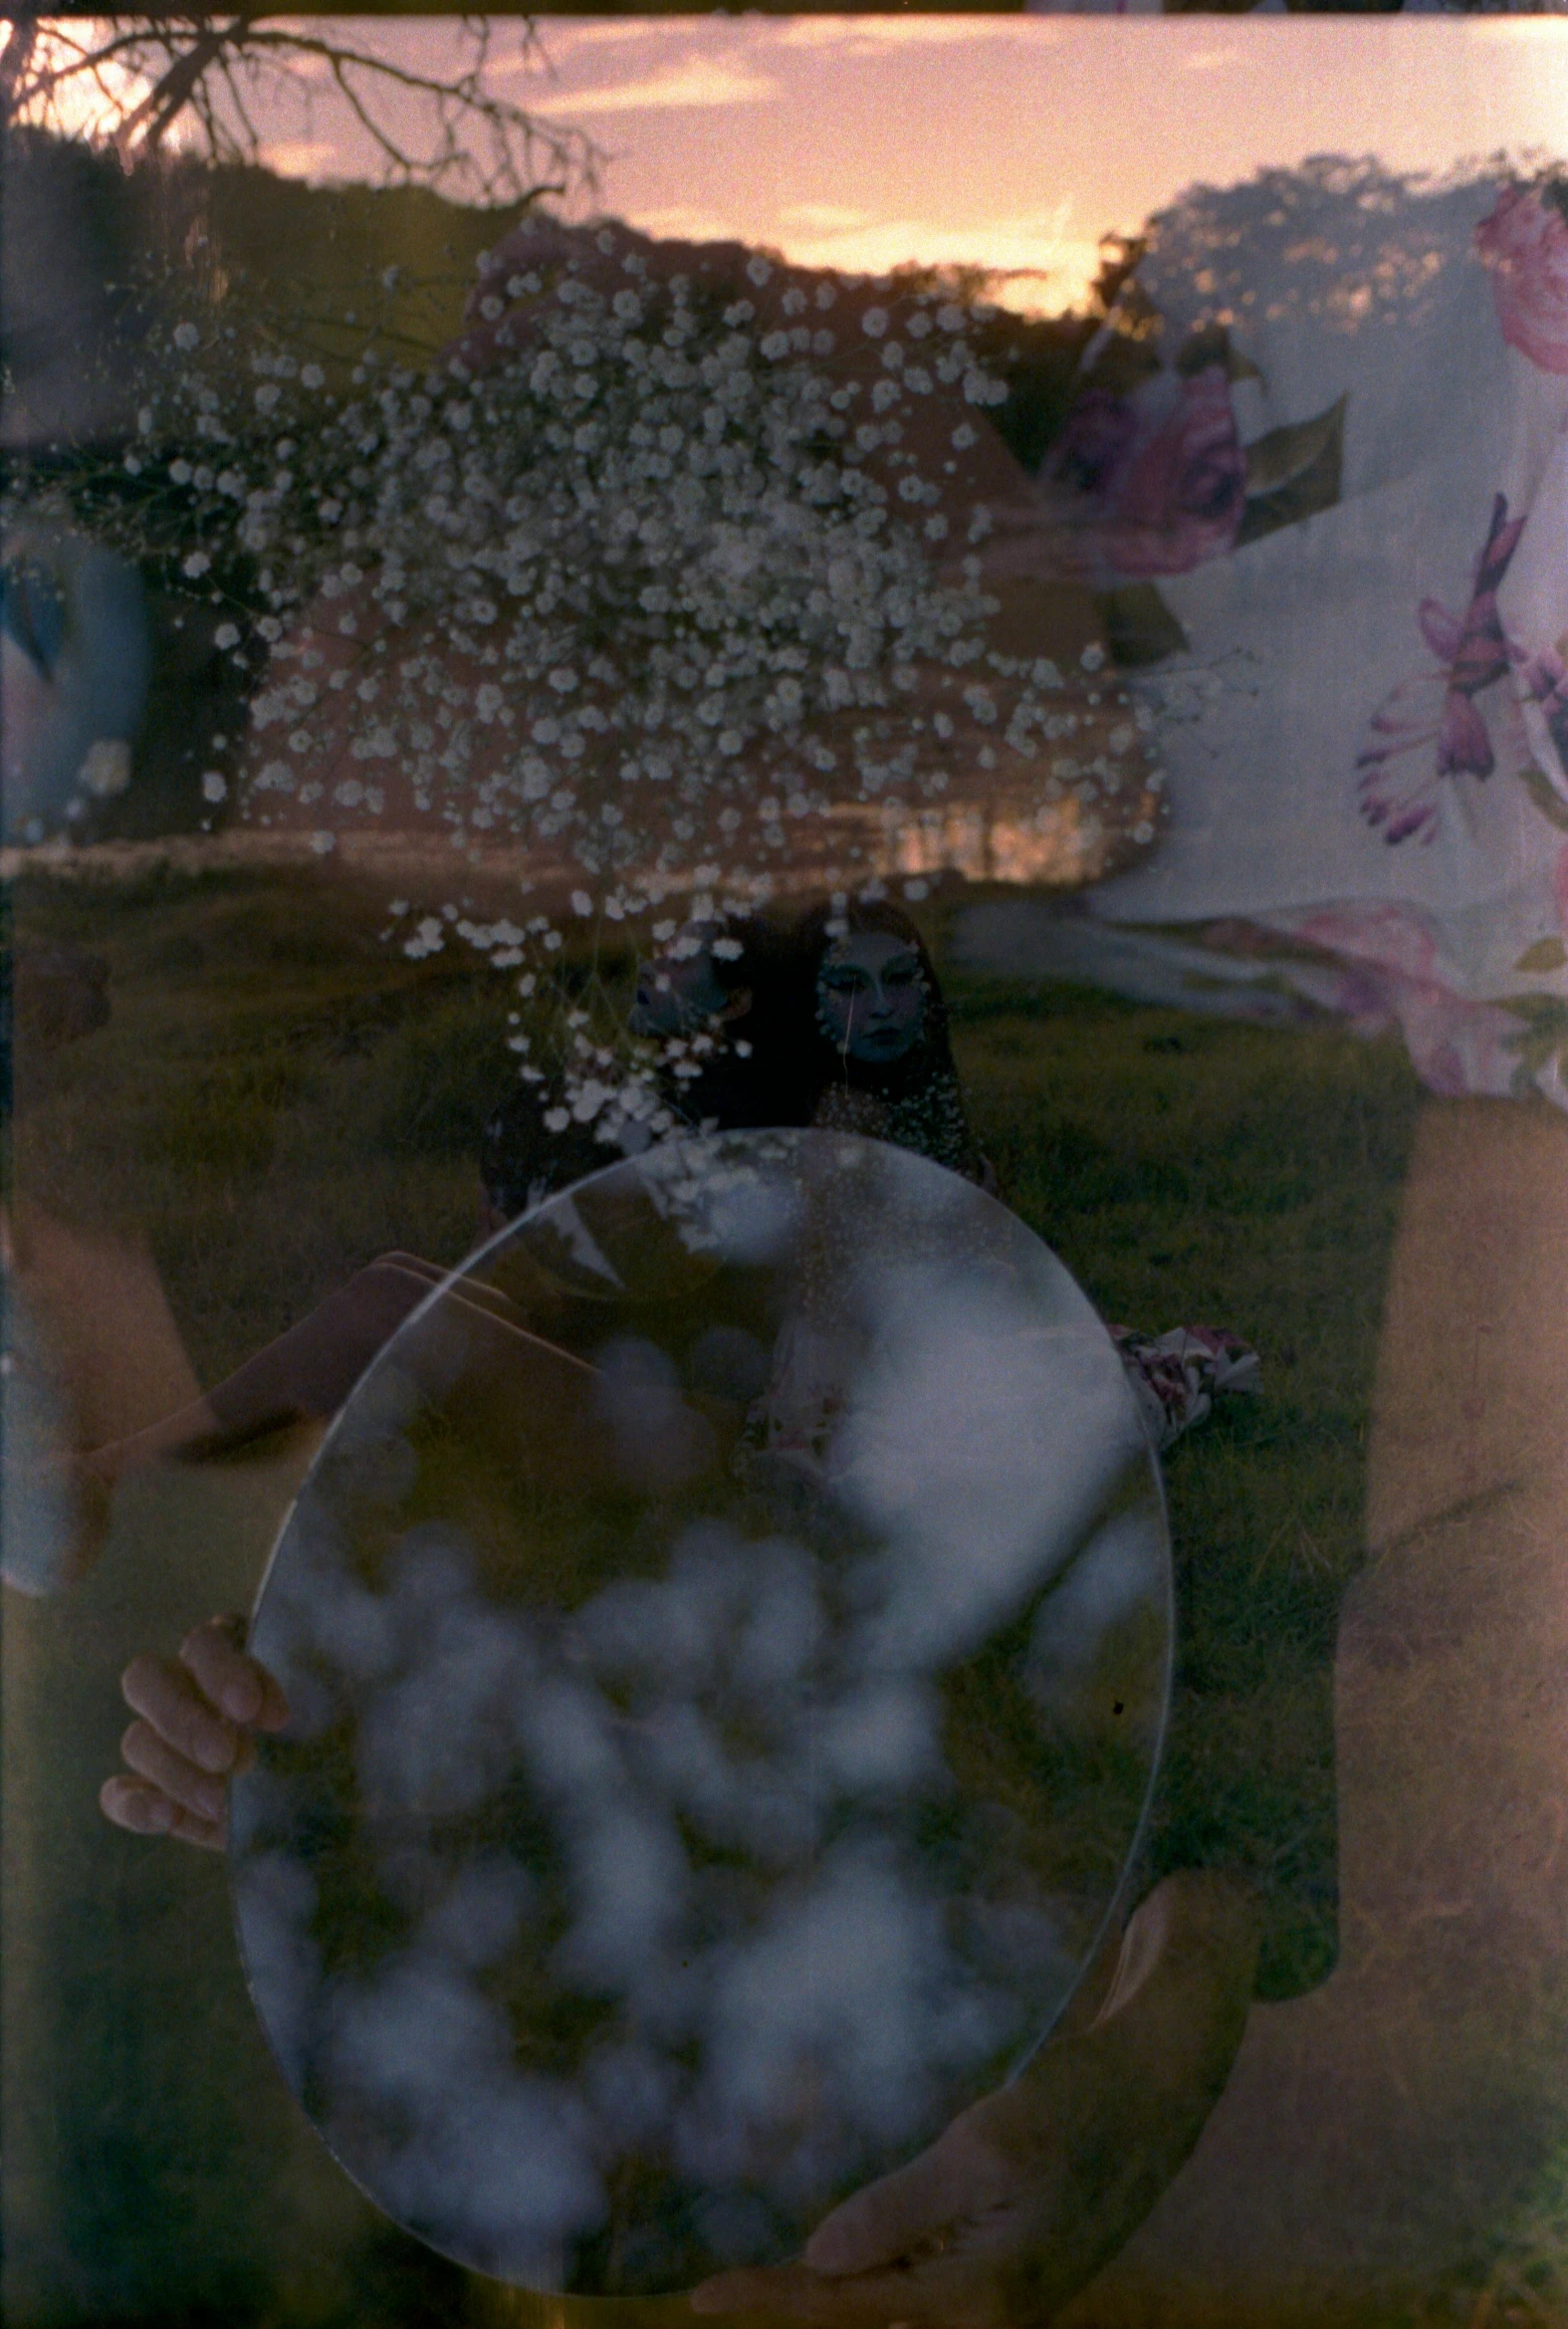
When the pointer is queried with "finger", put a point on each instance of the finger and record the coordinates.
(228, 1679)
(240, 1685)
(153, 1758)
(891, 2218)
(167, 1696)
(142, 1808)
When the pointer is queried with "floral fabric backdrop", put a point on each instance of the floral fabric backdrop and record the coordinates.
(699, 579)
(1366, 727)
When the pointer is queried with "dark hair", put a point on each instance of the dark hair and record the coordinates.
(772, 1081)
(916, 1103)
(787, 1076)
(932, 1055)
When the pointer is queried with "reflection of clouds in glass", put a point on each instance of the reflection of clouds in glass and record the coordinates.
(627, 1870)
(977, 1444)
(659, 1441)
(632, 2088)
(274, 1902)
(1118, 1575)
(781, 1632)
(734, 1629)
(629, 1875)
(758, 1805)
(436, 1737)
(689, 1819)
(883, 1736)
(478, 1920)
(318, 1629)
(826, 2017)
(720, 1197)
(492, 2162)
(849, 1988)
(671, 1631)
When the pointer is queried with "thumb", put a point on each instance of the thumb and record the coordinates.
(891, 2217)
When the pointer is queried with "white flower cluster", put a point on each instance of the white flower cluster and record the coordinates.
(635, 593)
(675, 591)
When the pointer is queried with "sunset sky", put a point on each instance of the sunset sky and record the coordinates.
(1014, 140)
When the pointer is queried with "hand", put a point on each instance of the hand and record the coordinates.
(1018, 2203)
(196, 1716)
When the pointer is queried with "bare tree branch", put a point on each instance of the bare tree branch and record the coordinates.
(170, 95)
(193, 58)
(15, 58)
(249, 136)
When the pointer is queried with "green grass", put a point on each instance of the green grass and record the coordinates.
(280, 1096)
(268, 1057)
(277, 1099)
(1189, 1172)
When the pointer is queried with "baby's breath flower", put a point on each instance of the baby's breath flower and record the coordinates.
(606, 584)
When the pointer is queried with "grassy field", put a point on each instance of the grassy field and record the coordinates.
(278, 1096)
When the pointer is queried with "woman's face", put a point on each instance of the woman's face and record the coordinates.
(871, 996)
(679, 993)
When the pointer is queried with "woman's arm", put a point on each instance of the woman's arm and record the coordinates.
(303, 1377)
(1030, 2192)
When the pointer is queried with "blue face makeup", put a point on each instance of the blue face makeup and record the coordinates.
(872, 997)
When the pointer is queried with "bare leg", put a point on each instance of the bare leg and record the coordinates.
(304, 1376)
(114, 1351)
(1377, 2133)
(98, 1358)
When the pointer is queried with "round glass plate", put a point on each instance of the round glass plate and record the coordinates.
(727, 1635)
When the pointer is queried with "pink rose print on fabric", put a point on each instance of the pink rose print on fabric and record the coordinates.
(1176, 1377)
(1171, 489)
(1391, 938)
(1437, 710)
(1525, 244)
(1383, 970)
(1095, 444)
